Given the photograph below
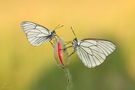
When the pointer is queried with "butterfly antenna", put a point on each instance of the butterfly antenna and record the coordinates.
(58, 26)
(73, 32)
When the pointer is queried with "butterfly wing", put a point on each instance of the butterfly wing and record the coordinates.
(93, 52)
(35, 33)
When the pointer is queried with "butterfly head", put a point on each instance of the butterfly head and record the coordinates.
(53, 33)
(75, 42)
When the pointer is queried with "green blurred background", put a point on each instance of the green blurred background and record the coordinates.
(24, 67)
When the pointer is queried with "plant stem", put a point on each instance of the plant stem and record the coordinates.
(68, 77)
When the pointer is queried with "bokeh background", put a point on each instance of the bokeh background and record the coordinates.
(24, 67)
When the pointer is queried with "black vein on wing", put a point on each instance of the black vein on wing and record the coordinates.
(81, 56)
(89, 54)
(84, 56)
(88, 42)
(41, 39)
(93, 49)
(95, 54)
(36, 35)
(35, 28)
(109, 45)
(89, 60)
(41, 31)
(105, 47)
(99, 55)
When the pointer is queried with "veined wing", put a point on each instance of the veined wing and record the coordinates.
(35, 33)
(93, 52)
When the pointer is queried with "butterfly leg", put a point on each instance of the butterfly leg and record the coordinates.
(71, 53)
(51, 43)
(66, 48)
(68, 43)
(58, 26)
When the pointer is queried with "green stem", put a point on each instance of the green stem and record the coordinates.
(69, 78)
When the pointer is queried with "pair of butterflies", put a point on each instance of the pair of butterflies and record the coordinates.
(92, 52)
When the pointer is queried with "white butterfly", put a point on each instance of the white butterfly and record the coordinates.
(37, 34)
(92, 52)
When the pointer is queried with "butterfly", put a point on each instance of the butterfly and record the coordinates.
(37, 34)
(92, 52)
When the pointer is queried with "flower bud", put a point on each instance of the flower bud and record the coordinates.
(60, 53)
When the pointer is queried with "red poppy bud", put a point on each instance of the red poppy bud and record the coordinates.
(60, 53)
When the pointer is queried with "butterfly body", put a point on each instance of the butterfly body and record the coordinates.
(52, 35)
(75, 43)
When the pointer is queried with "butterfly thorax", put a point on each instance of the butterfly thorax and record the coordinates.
(52, 35)
(75, 43)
